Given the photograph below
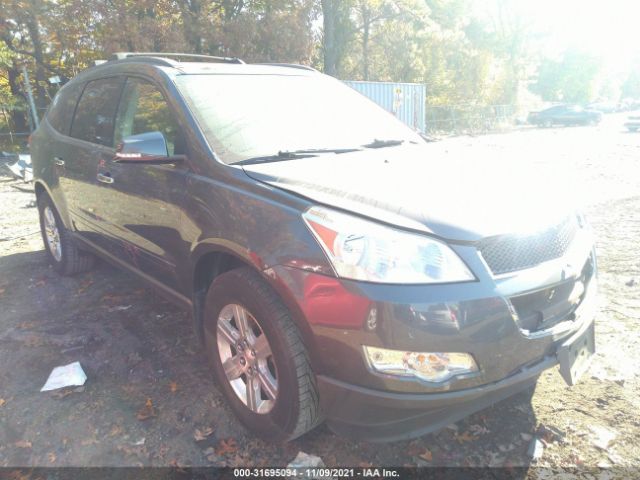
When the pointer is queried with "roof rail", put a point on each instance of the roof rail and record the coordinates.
(290, 65)
(172, 58)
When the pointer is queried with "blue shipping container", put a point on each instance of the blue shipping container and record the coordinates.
(405, 100)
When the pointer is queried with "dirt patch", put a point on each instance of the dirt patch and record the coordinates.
(150, 399)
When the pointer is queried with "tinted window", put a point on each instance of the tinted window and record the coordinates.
(61, 110)
(143, 109)
(96, 110)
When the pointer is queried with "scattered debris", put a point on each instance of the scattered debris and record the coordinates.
(137, 443)
(526, 436)
(536, 449)
(478, 430)
(631, 282)
(465, 437)
(173, 387)
(23, 444)
(304, 460)
(202, 434)
(67, 391)
(119, 308)
(615, 458)
(18, 165)
(146, 412)
(549, 434)
(65, 376)
(2, 402)
(602, 436)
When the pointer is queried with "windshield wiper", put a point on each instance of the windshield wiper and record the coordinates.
(383, 143)
(294, 154)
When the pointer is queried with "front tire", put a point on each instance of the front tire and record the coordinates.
(65, 257)
(258, 358)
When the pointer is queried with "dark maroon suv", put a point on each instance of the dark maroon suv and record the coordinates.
(337, 268)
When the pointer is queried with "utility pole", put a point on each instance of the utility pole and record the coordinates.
(32, 105)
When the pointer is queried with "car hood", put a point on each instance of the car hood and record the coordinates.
(419, 188)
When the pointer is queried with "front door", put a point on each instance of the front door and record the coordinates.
(140, 203)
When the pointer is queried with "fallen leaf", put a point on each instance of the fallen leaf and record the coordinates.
(89, 441)
(465, 437)
(200, 435)
(427, 455)
(2, 402)
(227, 446)
(84, 286)
(52, 457)
(40, 283)
(23, 444)
(2, 290)
(115, 430)
(147, 411)
(26, 325)
(63, 393)
(173, 387)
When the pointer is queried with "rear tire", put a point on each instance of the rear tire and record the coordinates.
(287, 404)
(65, 257)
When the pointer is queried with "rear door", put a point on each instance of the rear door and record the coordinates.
(141, 205)
(55, 149)
(91, 139)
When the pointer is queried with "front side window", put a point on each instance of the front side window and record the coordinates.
(95, 113)
(143, 109)
(248, 116)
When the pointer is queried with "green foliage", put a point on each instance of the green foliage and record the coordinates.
(572, 79)
(470, 52)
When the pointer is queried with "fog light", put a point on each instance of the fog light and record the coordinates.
(431, 367)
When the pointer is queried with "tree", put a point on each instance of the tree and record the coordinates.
(572, 79)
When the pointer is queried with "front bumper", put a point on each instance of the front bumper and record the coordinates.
(378, 416)
(493, 319)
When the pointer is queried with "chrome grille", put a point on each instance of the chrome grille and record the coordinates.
(509, 253)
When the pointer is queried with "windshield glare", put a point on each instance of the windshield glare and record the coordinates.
(248, 116)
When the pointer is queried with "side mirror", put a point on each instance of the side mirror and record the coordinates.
(148, 148)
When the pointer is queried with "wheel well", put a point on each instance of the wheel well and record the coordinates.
(209, 266)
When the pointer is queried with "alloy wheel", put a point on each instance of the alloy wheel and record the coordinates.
(52, 234)
(247, 359)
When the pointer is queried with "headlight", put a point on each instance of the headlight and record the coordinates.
(363, 250)
(432, 367)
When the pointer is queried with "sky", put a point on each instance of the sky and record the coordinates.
(607, 28)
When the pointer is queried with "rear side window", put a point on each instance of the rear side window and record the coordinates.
(143, 109)
(61, 110)
(95, 113)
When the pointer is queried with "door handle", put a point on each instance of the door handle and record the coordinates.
(104, 178)
(58, 161)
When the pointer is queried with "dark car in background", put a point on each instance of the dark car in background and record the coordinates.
(565, 115)
(633, 123)
(335, 268)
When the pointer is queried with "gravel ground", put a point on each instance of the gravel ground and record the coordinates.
(149, 398)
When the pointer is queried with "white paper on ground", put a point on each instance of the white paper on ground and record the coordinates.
(66, 376)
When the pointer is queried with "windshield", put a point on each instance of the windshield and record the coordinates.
(249, 116)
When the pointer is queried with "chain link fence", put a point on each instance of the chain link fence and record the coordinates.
(473, 119)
